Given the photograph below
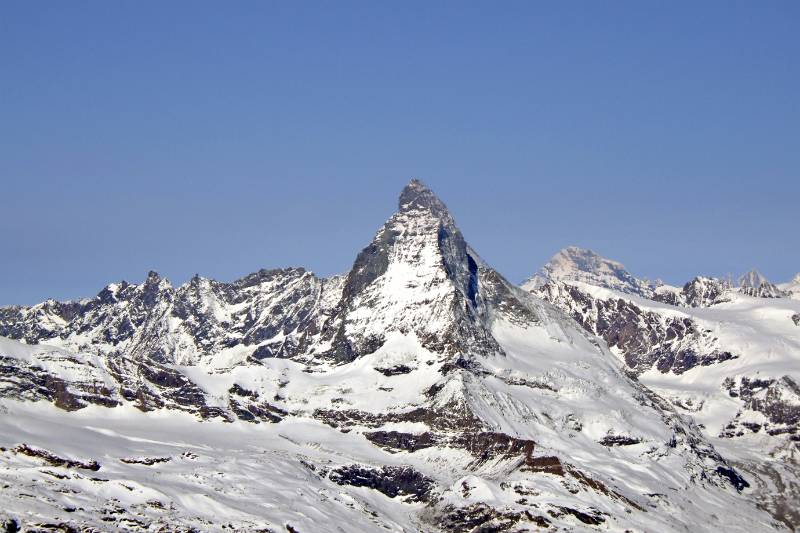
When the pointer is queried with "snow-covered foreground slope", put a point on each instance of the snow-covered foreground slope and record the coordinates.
(419, 392)
(732, 363)
(166, 471)
(517, 444)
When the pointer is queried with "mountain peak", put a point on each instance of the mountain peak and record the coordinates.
(418, 276)
(580, 264)
(755, 284)
(573, 259)
(752, 279)
(416, 195)
(154, 283)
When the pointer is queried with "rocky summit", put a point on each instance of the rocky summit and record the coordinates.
(420, 391)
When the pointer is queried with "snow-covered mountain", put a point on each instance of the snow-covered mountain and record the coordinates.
(755, 284)
(421, 391)
(727, 356)
(791, 288)
(577, 264)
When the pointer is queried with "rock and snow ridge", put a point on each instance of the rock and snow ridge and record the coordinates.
(727, 356)
(574, 264)
(755, 284)
(421, 391)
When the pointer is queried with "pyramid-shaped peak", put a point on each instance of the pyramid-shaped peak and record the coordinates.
(755, 284)
(417, 195)
(753, 279)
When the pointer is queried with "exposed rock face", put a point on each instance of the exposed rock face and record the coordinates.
(54, 460)
(646, 339)
(481, 517)
(391, 481)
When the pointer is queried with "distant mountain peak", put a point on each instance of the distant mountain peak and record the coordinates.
(580, 264)
(582, 259)
(755, 284)
(752, 279)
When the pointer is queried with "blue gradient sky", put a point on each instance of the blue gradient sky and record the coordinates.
(221, 138)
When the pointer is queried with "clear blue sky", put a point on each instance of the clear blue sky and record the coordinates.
(220, 138)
